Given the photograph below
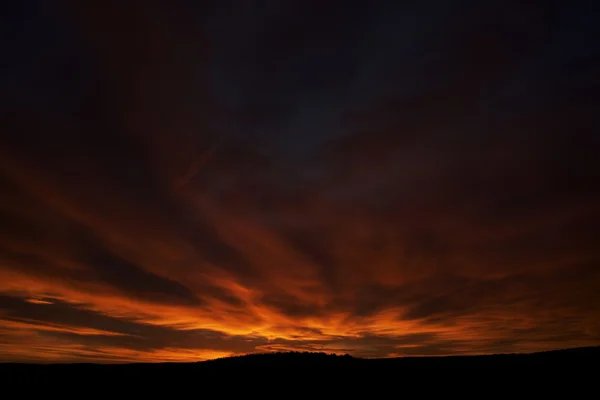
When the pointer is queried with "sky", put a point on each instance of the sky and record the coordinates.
(184, 180)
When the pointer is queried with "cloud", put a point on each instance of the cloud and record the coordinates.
(196, 188)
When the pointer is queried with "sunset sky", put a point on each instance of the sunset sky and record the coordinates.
(182, 180)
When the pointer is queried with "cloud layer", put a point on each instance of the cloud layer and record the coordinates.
(181, 183)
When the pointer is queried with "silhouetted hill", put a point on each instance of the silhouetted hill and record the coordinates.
(568, 360)
(282, 358)
(544, 368)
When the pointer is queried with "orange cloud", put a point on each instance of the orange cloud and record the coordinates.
(38, 301)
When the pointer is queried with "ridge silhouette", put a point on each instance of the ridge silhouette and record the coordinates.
(292, 358)
(314, 371)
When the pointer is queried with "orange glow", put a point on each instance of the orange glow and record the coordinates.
(38, 301)
(283, 302)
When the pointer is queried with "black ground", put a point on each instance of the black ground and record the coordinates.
(566, 372)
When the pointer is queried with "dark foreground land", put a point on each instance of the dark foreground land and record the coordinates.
(572, 369)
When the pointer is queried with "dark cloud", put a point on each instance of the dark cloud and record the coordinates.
(131, 279)
(290, 306)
